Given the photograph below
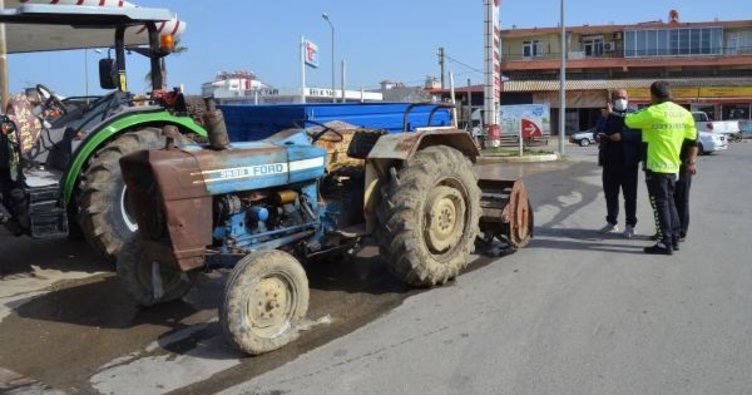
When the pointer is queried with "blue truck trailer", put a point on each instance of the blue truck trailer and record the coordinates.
(256, 122)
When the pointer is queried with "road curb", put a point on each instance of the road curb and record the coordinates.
(494, 158)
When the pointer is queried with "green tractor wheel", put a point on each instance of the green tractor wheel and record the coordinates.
(104, 210)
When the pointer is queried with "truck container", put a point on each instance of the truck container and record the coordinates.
(255, 122)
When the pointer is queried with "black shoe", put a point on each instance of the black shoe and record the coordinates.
(658, 249)
(675, 246)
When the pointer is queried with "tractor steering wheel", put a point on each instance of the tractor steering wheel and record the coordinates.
(50, 101)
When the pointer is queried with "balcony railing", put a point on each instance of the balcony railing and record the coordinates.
(633, 74)
(650, 53)
(513, 56)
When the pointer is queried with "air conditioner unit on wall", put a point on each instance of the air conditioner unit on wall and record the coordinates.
(609, 47)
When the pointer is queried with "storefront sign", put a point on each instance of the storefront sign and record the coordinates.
(678, 93)
(532, 120)
(311, 53)
(318, 92)
(695, 93)
(741, 91)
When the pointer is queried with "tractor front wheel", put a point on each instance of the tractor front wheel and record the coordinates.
(430, 212)
(266, 296)
(104, 210)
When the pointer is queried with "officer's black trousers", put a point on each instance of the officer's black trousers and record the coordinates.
(681, 199)
(661, 188)
(614, 179)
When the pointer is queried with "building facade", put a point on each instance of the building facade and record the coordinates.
(709, 64)
(243, 87)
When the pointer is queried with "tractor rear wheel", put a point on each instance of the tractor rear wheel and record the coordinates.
(104, 210)
(265, 297)
(430, 212)
(148, 272)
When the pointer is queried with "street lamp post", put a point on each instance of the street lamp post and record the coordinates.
(562, 83)
(334, 87)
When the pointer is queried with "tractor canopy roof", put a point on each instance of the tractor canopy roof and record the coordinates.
(53, 27)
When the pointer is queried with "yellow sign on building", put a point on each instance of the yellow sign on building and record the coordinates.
(740, 91)
(679, 93)
(696, 93)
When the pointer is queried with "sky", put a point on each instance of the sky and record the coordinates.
(378, 39)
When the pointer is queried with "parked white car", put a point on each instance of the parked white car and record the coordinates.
(583, 138)
(712, 142)
(704, 124)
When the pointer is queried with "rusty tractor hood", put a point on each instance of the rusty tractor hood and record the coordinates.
(171, 190)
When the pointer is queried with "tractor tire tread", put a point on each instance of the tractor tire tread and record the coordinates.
(100, 184)
(241, 280)
(406, 255)
(127, 273)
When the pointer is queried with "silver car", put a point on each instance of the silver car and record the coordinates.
(583, 138)
(712, 142)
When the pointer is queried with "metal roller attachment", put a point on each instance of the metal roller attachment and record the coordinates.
(507, 213)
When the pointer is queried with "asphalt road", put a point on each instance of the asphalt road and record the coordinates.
(575, 313)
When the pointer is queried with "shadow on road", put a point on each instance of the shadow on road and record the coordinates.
(582, 240)
(19, 254)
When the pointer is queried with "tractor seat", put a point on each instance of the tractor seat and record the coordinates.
(21, 111)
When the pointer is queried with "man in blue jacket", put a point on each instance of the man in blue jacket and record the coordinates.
(620, 161)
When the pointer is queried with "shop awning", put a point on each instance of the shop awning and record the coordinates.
(687, 89)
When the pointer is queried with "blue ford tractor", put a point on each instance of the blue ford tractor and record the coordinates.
(262, 207)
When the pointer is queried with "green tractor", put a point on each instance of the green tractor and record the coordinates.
(59, 160)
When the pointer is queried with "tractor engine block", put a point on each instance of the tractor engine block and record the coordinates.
(242, 220)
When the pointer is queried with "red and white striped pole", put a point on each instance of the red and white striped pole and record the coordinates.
(492, 72)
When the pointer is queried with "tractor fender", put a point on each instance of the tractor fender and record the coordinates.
(392, 149)
(103, 133)
(403, 146)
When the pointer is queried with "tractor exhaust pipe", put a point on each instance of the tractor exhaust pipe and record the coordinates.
(215, 126)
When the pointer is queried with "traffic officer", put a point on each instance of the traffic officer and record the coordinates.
(665, 127)
(620, 156)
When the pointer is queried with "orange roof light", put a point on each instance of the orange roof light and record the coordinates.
(167, 42)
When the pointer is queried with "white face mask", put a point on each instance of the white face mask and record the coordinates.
(620, 104)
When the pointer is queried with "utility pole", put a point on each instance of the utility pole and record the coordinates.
(454, 100)
(441, 64)
(3, 63)
(301, 51)
(469, 106)
(562, 83)
(334, 65)
(344, 75)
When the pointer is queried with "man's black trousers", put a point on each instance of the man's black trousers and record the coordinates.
(622, 178)
(681, 199)
(661, 188)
